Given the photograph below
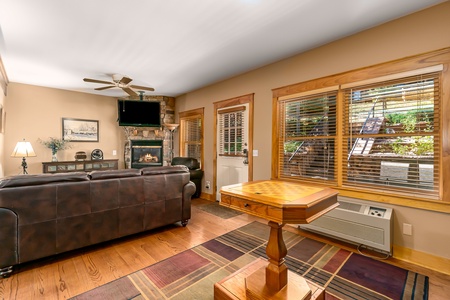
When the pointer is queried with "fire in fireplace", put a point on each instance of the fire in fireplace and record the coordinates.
(146, 153)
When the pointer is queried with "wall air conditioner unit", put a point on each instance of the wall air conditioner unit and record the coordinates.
(358, 223)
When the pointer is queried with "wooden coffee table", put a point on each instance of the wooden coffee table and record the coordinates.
(279, 202)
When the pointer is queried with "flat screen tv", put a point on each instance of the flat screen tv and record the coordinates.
(139, 113)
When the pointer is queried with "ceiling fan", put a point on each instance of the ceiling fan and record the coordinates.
(120, 81)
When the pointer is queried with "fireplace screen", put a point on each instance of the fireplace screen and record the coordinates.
(145, 153)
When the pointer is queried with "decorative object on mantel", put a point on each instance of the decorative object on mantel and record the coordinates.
(23, 149)
(171, 128)
(80, 155)
(55, 145)
(97, 154)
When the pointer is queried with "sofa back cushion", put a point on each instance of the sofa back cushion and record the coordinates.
(111, 174)
(164, 170)
(28, 180)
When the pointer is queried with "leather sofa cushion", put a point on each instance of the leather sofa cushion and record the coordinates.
(164, 170)
(109, 174)
(189, 162)
(28, 180)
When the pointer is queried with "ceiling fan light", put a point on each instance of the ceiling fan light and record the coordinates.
(117, 77)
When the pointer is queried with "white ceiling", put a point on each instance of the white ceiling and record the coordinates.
(174, 46)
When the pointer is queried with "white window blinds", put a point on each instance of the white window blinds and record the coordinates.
(391, 135)
(308, 137)
(192, 137)
(232, 139)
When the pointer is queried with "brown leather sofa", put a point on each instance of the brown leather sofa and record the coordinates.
(47, 214)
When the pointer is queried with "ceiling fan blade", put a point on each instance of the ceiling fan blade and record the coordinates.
(125, 80)
(129, 91)
(138, 87)
(104, 88)
(97, 81)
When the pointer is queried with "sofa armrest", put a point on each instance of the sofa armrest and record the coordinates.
(188, 191)
(8, 238)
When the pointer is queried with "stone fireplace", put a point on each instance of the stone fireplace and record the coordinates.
(146, 153)
(160, 135)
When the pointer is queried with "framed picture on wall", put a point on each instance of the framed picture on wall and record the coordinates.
(79, 130)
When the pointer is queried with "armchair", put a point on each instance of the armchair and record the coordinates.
(196, 174)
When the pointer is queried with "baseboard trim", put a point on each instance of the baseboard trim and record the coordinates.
(206, 196)
(426, 260)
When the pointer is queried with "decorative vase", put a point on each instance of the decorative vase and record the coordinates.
(54, 158)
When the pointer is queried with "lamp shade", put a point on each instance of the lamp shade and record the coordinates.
(23, 149)
(171, 127)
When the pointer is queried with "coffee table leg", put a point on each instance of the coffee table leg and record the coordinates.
(276, 270)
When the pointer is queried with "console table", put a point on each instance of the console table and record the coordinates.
(79, 166)
(280, 202)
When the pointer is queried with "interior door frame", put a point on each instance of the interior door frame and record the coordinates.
(227, 103)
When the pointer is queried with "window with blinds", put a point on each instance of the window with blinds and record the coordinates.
(192, 138)
(191, 134)
(232, 140)
(391, 135)
(308, 137)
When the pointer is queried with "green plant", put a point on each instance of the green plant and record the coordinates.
(291, 146)
(56, 144)
(419, 115)
(423, 145)
(416, 145)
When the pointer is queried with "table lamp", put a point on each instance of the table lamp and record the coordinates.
(23, 149)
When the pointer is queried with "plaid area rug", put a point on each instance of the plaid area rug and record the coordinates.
(192, 273)
(221, 211)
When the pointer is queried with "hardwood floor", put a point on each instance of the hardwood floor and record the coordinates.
(73, 273)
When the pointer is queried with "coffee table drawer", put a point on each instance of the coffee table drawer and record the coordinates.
(253, 208)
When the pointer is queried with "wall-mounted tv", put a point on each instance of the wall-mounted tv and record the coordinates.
(139, 113)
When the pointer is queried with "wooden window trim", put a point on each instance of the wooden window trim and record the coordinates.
(409, 64)
(192, 113)
(231, 110)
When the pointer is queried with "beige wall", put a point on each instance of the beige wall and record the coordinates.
(414, 34)
(34, 112)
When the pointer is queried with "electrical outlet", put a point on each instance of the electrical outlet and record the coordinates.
(114, 152)
(208, 185)
(407, 229)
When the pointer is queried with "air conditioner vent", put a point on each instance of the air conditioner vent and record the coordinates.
(353, 229)
(350, 206)
(358, 223)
